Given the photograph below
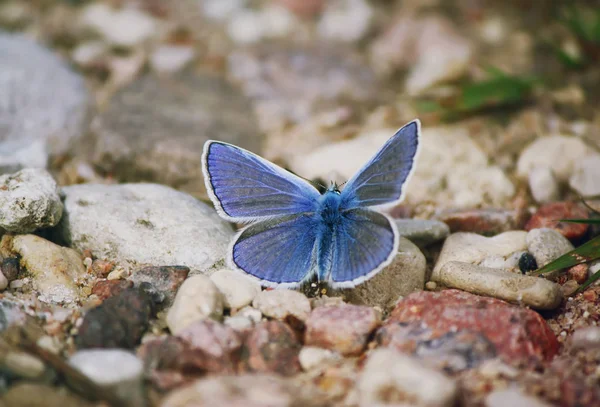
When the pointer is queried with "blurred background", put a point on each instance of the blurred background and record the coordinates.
(119, 91)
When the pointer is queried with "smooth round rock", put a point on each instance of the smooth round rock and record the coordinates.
(282, 303)
(29, 200)
(546, 245)
(237, 289)
(312, 357)
(44, 104)
(422, 232)
(543, 185)
(143, 224)
(585, 179)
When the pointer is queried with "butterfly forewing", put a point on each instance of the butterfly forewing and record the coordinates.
(246, 187)
(382, 180)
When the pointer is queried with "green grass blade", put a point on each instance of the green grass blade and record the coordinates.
(586, 252)
(592, 221)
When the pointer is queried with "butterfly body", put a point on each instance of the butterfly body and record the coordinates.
(295, 232)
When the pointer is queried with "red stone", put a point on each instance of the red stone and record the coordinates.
(343, 328)
(488, 222)
(107, 288)
(516, 334)
(547, 216)
(578, 273)
(101, 268)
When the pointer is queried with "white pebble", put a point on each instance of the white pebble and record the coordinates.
(543, 185)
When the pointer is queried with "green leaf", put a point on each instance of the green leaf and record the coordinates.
(592, 221)
(586, 252)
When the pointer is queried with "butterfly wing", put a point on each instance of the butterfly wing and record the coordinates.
(277, 251)
(382, 180)
(363, 243)
(245, 187)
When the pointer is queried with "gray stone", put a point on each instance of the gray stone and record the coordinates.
(281, 303)
(586, 176)
(422, 232)
(238, 290)
(404, 275)
(547, 244)
(154, 129)
(143, 224)
(29, 200)
(43, 104)
(535, 292)
(389, 374)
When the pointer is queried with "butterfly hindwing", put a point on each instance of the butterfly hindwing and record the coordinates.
(277, 251)
(363, 243)
(382, 181)
(246, 187)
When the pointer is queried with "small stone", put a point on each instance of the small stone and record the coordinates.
(251, 26)
(129, 224)
(25, 366)
(102, 268)
(11, 314)
(548, 216)
(391, 375)
(238, 290)
(10, 268)
(164, 281)
(403, 276)
(569, 288)
(325, 301)
(29, 200)
(346, 20)
(126, 27)
(171, 58)
(168, 362)
(422, 232)
(312, 357)
(547, 245)
(36, 394)
(271, 346)
(107, 288)
(303, 8)
(344, 329)
(56, 271)
(221, 10)
(487, 222)
(543, 185)
(115, 370)
(535, 292)
(119, 322)
(198, 298)
(585, 180)
(586, 338)
(559, 153)
(431, 286)
(579, 273)
(280, 304)
(527, 263)
(512, 397)
(239, 323)
(3, 282)
(90, 53)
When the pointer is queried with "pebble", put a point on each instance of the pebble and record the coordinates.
(56, 272)
(559, 153)
(29, 200)
(513, 397)
(171, 58)
(154, 129)
(534, 292)
(586, 338)
(46, 104)
(125, 27)
(304, 8)
(543, 185)
(475, 249)
(119, 322)
(311, 357)
(3, 281)
(10, 268)
(280, 304)
(422, 232)
(108, 288)
(487, 222)
(453, 324)
(344, 328)
(25, 366)
(403, 276)
(547, 245)
(585, 180)
(271, 347)
(198, 298)
(25, 394)
(221, 10)
(578, 272)
(115, 370)
(345, 20)
(238, 290)
(252, 26)
(547, 216)
(88, 54)
(130, 223)
(391, 375)
(164, 281)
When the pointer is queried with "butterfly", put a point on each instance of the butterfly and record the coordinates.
(295, 232)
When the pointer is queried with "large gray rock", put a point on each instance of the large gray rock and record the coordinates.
(143, 224)
(43, 104)
(29, 200)
(155, 129)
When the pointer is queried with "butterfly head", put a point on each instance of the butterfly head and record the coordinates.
(334, 187)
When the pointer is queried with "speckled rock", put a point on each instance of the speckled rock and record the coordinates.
(238, 290)
(535, 292)
(422, 232)
(115, 370)
(164, 281)
(344, 329)
(155, 128)
(57, 272)
(585, 180)
(547, 245)
(548, 216)
(29, 200)
(45, 104)
(130, 223)
(403, 276)
(198, 298)
(280, 304)
(389, 374)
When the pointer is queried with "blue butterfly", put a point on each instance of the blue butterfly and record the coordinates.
(295, 231)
